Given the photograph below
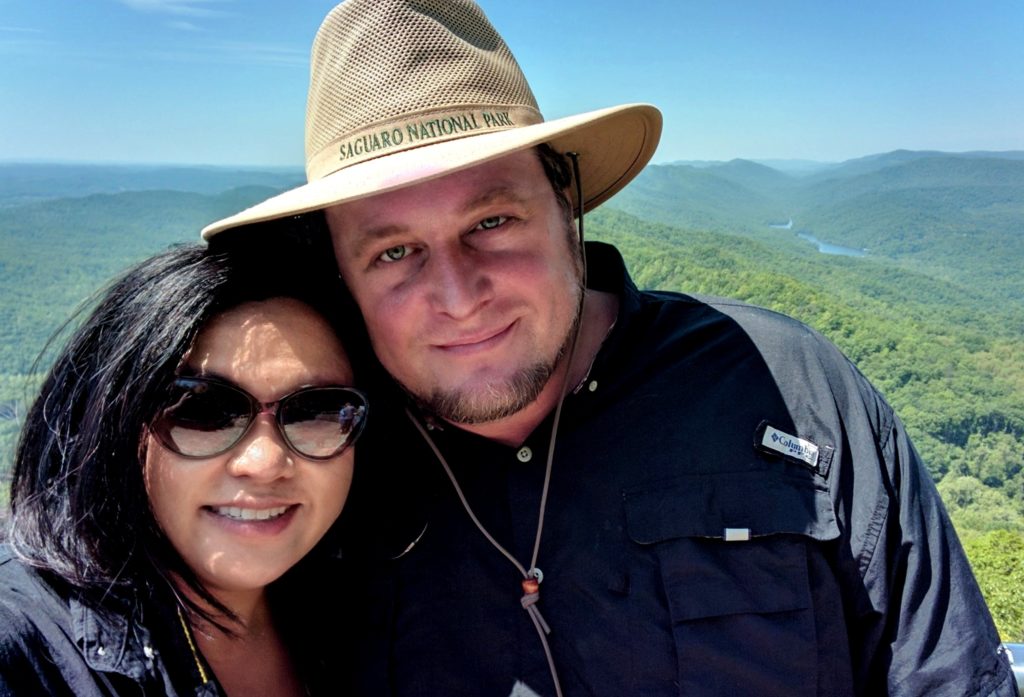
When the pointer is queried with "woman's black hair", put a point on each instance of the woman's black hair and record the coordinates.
(79, 507)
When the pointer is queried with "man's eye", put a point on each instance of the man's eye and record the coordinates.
(491, 223)
(394, 253)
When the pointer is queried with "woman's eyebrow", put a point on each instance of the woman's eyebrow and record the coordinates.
(188, 371)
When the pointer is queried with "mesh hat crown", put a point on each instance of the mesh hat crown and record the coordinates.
(446, 74)
(403, 91)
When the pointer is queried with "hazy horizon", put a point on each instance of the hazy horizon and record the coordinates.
(795, 162)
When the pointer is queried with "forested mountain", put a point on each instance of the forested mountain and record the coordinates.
(706, 198)
(54, 253)
(933, 314)
(956, 217)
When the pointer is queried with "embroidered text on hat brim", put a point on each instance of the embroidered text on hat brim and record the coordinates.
(615, 143)
(406, 91)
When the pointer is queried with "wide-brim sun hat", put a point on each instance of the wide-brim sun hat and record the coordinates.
(405, 91)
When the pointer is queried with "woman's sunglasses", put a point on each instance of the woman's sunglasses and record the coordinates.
(206, 417)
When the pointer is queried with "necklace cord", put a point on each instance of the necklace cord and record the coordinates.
(529, 599)
(462, 497)
(574, 157)
(532, 578)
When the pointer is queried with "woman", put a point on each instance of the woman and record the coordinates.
(188, 450)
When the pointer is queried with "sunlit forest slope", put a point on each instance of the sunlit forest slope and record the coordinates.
(925, 294)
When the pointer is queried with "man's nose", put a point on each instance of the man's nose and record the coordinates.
(459, 281)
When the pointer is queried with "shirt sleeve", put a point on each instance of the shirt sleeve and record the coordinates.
(21, 656)
(935, 635)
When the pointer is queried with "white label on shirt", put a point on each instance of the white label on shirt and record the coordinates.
(781, 442)
(521, 690)
(736, 534)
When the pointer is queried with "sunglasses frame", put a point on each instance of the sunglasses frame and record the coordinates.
(160, 425)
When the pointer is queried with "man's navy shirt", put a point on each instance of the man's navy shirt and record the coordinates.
(685, 552)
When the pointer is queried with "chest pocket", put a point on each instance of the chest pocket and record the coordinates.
(732, 551)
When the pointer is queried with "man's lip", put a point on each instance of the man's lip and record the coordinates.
(477, 340)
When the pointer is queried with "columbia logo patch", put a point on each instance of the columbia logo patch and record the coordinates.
(774, 440)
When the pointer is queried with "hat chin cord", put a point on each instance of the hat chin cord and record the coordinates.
(532, 577)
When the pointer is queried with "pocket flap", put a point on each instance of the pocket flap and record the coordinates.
(706, 505)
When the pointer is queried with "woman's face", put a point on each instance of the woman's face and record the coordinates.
(243, 518)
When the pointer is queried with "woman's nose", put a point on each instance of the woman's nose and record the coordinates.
(262, 454)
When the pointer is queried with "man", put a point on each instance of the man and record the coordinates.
(612, 492)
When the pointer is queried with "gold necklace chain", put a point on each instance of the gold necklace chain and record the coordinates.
(192, 646)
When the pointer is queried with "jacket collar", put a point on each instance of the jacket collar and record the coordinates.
(110, 637)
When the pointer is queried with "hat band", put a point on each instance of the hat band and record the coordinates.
(388, 137)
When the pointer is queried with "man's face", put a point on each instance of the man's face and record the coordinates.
(469, 284)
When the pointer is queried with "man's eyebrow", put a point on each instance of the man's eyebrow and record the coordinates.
(496, 194)
(372, 235)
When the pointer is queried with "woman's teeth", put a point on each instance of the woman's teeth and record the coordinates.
(236, 513)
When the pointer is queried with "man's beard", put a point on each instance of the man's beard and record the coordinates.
(504, 398)
(493, 401)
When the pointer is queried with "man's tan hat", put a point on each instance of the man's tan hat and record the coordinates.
(404, 91)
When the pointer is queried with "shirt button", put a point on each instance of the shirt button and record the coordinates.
(592, 386)
(524, 454)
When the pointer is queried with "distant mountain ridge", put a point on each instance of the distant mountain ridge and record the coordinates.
(870, 163)
(959, 216)
(29, 182)
(800, 167)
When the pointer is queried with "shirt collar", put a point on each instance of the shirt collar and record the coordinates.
(606, 271)
(104, 634)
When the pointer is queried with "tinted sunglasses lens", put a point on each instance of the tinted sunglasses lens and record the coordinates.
(321, 422)
(203, 418)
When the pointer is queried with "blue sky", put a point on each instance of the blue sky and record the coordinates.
(223, 81)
